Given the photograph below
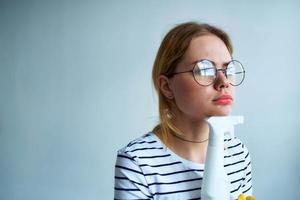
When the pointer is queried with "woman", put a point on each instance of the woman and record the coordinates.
(194, 75)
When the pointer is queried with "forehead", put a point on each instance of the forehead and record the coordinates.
(208, 47)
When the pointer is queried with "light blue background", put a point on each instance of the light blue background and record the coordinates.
(75, 83)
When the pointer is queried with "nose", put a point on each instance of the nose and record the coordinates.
(221, 81)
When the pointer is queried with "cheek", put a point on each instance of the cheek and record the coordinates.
(190, 98)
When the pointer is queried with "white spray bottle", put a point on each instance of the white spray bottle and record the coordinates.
(215, 183)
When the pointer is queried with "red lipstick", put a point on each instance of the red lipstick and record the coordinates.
(224, 100)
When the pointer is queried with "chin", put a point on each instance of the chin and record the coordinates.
(222, 113)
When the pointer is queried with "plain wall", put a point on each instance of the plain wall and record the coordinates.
(75, 84)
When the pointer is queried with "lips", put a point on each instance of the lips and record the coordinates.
(223, 100)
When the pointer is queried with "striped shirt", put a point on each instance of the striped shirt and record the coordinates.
(146, 169)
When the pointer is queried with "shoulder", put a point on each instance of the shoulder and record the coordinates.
(130, 179)
(142, 147)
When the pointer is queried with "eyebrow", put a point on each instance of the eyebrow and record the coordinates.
(224, 64)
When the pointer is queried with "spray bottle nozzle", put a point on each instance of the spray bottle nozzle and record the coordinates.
(224, 124)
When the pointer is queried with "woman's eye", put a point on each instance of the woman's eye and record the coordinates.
(230, 71)
(207, 72)
(205, 68)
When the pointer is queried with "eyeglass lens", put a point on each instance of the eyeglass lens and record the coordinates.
(205, 72)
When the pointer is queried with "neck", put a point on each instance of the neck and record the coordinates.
(191, 140)
(191, 130)
(181, 137)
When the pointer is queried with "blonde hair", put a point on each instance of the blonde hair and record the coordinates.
(170, 53)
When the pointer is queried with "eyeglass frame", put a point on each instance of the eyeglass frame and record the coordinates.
(170, 75)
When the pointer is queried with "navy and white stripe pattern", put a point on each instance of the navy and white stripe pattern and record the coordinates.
(146, 169)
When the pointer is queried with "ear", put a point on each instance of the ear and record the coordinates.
(164, 86)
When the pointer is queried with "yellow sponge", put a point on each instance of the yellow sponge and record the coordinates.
(250, 198)
(243, 197)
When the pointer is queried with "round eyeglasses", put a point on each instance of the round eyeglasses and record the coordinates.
(205, 72)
